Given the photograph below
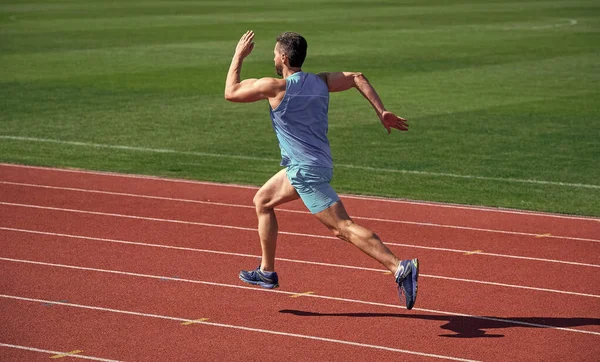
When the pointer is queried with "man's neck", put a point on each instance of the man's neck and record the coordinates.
(289, 71)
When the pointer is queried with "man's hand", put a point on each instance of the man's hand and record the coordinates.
(245, 45)
(390, 120)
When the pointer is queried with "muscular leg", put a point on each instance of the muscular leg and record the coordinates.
(274, 192)
(337, 220)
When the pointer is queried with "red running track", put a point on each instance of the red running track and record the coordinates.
(119, 267)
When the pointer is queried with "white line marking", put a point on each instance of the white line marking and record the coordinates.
(565, 22)
(131, 176)
(319, 296)
(55, 352)
(161, 198)
(133, 148)
(296, 211)
(511, 286)
(358, 197)
(473, 177)
(140, 217)
(520, 26)
(205, 154)
(568, 22)
(290, 260)
(495, 254)
(267, 331)
(285, 233)
(500, 210)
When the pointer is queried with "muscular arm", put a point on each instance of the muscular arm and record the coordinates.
(341, 81)
(249, 90)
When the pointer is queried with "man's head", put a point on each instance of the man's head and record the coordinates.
(290, 50)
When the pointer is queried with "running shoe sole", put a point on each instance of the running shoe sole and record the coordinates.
(414, 275)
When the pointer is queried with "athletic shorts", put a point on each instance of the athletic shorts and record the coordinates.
(312, 184)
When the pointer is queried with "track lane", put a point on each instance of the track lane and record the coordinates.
(473, 267)
(432, 290)
(514, 220)
(534, 246)
(184, 302)
(298, 210)
(227, 306)
(141, 338)
(297, 278)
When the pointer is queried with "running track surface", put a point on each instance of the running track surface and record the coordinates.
(118, 267)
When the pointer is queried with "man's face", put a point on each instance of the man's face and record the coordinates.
(278, 61)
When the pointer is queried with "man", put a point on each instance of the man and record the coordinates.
(299, 104)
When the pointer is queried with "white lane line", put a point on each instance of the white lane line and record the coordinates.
(241, 157)
(125, 194)
(358, 197)
(427, 224)
(248, 329)
(133, 148)
(67, 354)
(162, 278)
(131, 176)
(473, 177)
(231, 227)
(490, 209)
(495, 254)
(290, 260)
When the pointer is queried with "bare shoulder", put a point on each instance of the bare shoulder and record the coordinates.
(269, 82)
(271, 87)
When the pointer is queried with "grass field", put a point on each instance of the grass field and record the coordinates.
(502, 97)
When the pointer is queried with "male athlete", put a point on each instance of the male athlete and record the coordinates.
(298, 105)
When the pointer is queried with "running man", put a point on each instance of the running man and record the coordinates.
(299, 105)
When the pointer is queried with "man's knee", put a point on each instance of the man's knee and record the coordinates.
(261, 201)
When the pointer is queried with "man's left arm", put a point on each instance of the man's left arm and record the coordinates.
(342, 81)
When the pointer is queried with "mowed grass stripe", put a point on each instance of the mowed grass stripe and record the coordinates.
(40, 10)
(140, 58)
(271, 160)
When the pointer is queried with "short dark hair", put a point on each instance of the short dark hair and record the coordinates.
(294, 46)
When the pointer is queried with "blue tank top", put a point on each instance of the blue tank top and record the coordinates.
(300, 121)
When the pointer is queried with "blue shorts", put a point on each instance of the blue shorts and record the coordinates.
(312, 184)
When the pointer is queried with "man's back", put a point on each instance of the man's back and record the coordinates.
(300, 121)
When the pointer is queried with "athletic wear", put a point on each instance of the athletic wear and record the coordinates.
(300, 121)
(312, 184)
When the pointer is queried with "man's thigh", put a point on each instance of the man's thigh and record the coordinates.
(278, 190)
(313, 185)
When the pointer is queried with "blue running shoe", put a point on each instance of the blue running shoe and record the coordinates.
(407, 281)
(265, 279)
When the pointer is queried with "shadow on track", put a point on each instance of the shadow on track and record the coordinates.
(467, 327)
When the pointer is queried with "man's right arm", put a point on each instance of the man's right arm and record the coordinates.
(341, 81)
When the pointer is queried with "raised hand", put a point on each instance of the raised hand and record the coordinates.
(245, 45)
(390, 120)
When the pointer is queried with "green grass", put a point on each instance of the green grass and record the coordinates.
(502, 96)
